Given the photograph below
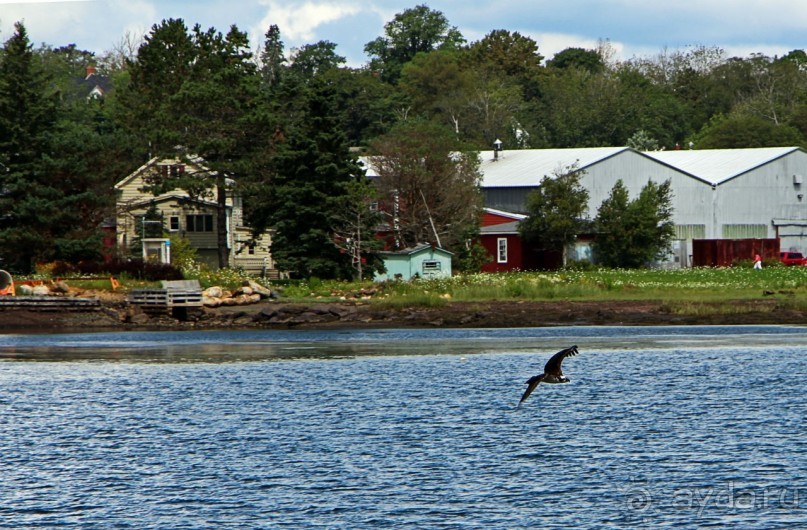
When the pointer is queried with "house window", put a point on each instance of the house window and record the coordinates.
(501, 244)
(172, 170)
(199, 223)
(173, 223)
(431, 266)
(251, 250)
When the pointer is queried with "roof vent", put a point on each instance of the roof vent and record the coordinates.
(797, 179)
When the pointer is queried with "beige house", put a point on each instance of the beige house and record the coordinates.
(190, 218)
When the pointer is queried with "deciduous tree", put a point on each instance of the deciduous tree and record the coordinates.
(430, 185)
(415, 30)
(556, 211)
(635, 233)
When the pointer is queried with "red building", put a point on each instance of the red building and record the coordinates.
(499, 235)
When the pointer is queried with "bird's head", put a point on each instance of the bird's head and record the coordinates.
(564, 379)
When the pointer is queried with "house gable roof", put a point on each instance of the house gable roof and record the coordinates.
(162, 199)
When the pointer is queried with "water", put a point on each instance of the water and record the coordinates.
(661, 427)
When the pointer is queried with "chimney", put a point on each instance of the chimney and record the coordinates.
(90, 72)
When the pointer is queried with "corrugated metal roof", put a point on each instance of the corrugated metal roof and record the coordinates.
(716, 166)
(521, 168)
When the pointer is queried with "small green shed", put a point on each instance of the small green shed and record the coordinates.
(423, 261)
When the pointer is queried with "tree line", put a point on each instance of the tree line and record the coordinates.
(286, 126)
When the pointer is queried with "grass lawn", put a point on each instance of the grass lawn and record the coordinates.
(684, 290)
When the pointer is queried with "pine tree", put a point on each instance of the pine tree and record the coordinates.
(311, 169)
(29, 199)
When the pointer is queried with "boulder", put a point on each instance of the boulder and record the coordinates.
(212, 292)
(60, 287)
(40, 290)
(210, 301)
(259, 289)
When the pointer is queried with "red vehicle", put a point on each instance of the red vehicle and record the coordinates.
(792, 258)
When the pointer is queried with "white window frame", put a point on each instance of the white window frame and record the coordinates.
(501, 250)
(173, 223)
(431, 266)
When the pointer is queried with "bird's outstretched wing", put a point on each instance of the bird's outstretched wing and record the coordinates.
(553, 364)
(532, 382)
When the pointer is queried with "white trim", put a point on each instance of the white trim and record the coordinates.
(501, 250)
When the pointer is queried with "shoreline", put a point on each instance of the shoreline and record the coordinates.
(115, 315)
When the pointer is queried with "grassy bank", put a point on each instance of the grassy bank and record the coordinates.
(699, 291)
(681, 290)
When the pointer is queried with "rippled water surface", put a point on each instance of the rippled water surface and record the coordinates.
(661, 427)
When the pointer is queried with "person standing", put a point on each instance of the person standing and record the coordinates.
(757, 261)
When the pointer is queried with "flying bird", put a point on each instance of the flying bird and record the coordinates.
(552, 372)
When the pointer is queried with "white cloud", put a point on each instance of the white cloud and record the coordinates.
(298, 23)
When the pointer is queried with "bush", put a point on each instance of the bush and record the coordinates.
(135, 268)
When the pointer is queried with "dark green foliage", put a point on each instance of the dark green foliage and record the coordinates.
(416, 30)
(738, 131)
(310, 170)
(588, 60)
(634, 233)
(556, 212)
(133, 268)
(31, 208)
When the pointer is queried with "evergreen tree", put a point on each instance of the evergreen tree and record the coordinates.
(311, 167)
(206, 110)
(555, 211)
(30, 211)
(633, 234)
(271, 57)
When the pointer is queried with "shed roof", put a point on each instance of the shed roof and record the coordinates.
(415, 250)
(527, 167)
(716, 166)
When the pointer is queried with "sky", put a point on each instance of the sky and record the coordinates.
(634, 28)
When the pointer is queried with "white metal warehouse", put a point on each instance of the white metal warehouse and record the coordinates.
(718, 194)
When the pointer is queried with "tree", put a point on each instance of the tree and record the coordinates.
(310, 169)
(588, 60)
(633, 234)
(438, 86)
(30, 209)
(314, 59)
(511, 54)
(740, 131)
(429, 184)
(556, 211)
(642, 141)
(415, 30)
(207, 110)
(271, 57)
(356, 223)
(164, 62)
